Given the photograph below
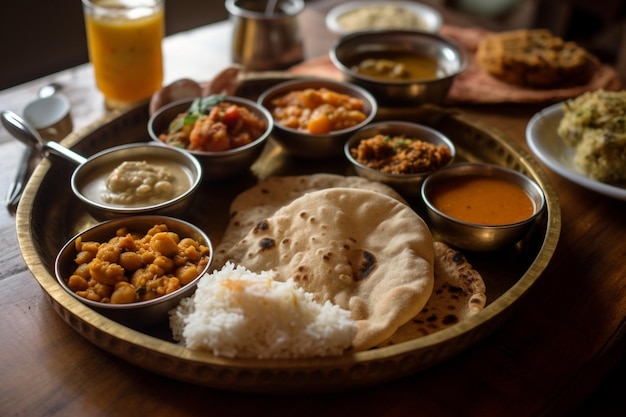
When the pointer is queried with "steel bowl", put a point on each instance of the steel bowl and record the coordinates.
(451, 58)
(476, 237)
(217, 166)
(426, 18)
(409, 185)
(88, 180)
(142, 313)
(306, 145)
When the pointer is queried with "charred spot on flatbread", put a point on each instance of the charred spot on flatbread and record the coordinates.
(364, 264)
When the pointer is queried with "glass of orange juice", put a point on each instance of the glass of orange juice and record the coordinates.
(124, 39)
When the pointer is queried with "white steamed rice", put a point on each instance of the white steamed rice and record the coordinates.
(237, 313)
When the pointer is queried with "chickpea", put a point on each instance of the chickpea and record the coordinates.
(186, 273)
(82, 270)
(84, 256)
(165, 243)
(130, 261)
(165, 263)
(77, 283)
(124, 293)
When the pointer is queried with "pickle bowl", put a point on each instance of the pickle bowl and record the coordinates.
(407, 184)
(217, 165)
(141, 313)
(300, 142)
(497, 230)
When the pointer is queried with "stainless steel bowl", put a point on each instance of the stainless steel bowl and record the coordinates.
(143, 313)
(217, 166)
(409, 185)
(451, 57)
(88, 180)
(479, 237)
(315, 146)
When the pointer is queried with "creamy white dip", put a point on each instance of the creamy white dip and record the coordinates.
(137, 183)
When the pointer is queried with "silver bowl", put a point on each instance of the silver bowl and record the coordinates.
(429, 19)
(142, 313)
(88, 180)
(217, 166)
(315, 146)
(477, 237)
(409, 185)
(451, 58)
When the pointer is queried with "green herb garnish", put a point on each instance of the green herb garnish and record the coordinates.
(203, 105)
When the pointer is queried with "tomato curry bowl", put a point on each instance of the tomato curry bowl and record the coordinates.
(225, 133)
(481, 207)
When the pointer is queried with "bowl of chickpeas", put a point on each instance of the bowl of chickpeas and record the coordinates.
(134, 270)
(314, 117)
(225, 133)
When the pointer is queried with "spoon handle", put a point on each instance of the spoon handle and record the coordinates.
(17, 186)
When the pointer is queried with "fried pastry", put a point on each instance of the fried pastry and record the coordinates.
(534, 58)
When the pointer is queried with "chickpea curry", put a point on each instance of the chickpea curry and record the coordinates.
(317, 111)
(132, 267)
(213, 124)
(401, 155)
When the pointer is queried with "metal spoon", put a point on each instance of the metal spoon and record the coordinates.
(21, 130)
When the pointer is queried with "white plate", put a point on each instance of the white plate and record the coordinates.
(547, 145)
(430, 17)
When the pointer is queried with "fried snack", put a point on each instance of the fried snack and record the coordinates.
(534, 58)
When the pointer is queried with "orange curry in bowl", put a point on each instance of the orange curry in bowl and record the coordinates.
(483, 200)
(317, 110)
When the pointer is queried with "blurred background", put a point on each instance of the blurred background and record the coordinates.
(45, 36)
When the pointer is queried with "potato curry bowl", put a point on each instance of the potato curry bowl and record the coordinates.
(399, 154)
(225, 133)
(314, 117)
(481, 207)
(134, 269)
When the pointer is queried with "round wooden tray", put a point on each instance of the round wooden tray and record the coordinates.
(50, 214)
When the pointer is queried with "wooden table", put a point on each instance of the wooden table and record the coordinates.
(546, 359)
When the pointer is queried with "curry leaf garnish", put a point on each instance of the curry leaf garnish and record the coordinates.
(203, 105)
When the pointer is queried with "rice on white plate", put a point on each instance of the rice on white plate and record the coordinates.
(238, 313)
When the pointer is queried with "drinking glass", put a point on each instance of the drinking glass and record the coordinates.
(125, 47)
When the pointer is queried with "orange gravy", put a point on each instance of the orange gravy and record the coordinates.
(482, 200)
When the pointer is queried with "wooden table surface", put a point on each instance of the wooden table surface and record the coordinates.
(545, 360)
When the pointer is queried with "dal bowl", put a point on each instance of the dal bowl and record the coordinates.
(481, 207)
(107, 182)
(138, 313)
(400, 67)
(223, 164)
(300, 142)
(407, 184)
